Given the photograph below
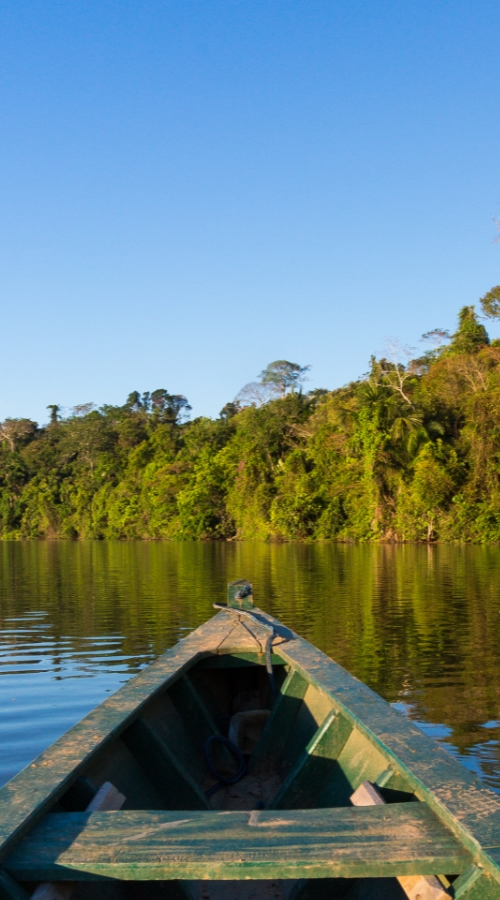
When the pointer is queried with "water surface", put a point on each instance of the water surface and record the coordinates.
(420, 625)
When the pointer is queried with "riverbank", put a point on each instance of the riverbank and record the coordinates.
(409, 453)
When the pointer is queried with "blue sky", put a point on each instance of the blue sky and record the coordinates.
(190, 190)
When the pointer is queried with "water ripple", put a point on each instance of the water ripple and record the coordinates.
(420, 625)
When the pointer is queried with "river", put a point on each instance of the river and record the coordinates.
(420, 625)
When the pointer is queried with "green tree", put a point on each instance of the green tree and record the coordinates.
(54, 413)
(283, 376)
(490, 303)
(12, 431)
(470, 334)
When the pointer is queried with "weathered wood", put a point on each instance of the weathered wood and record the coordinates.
(367, 795)
(458, 798)
(419, 887)
(165, 771)
(117, 764)
(475, 884)
(303, 784)
(359, 760)
(167, 723)
(25, 799)
(456, 794)
(197, 719)
(107, 798)
(371, 841)
(313, 711)
(280, 723)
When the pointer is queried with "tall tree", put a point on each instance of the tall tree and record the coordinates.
(470, 334)
(54, 413)
(490, 303)
(13, 430)
(283, 376)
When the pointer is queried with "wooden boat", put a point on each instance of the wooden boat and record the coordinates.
(244, 763)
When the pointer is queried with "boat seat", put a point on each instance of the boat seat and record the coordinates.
(107, 797)
(416, 887)
(372, 841)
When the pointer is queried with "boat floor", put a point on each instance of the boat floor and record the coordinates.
(251, 792)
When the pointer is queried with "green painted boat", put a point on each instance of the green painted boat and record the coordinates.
(244, 763)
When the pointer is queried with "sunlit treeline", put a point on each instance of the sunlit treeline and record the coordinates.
(410, 452)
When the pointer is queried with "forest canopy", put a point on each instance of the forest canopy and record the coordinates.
(409, 452)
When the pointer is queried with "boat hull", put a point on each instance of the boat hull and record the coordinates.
(315, 734)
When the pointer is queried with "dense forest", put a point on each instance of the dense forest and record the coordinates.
(409, 452)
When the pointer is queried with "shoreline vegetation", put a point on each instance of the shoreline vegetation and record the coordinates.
(408, 453)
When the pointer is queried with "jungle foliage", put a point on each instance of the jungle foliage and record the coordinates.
(409, 452)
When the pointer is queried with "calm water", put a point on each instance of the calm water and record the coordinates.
(420, 625)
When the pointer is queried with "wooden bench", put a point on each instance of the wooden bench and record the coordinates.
(416, 887)
(106, 798)
(373, 841)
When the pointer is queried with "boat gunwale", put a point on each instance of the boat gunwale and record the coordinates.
(27, 797)
(103, 724)
(318, 670)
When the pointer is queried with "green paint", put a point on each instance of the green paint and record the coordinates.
(375, 841)
(401, 838)
(313, 769)
(475, 884)
(281, 721)
(165, 770)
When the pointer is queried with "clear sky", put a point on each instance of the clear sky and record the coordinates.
(191, 190)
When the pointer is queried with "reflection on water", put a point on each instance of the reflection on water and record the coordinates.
(420, 625)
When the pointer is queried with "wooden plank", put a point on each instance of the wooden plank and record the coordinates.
(367, 795)
(470, 808)
(373, 841)
(457, 796)
(117, 764)
(107, 798)
(378, 889)
(313, 711)
(358, 761)
(419, 887)
(475, 884)
(167, 723)
(280, 723)
(197, 719)
(164, 770)
(26, 798)
(214, 692)
(303, 784)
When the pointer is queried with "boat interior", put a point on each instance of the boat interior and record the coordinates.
(294, 751)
